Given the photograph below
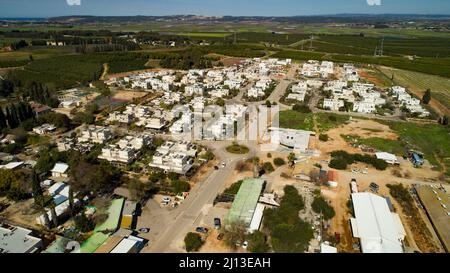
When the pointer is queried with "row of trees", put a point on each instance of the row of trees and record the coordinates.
(341, 159)
(14, 114)
(186, 60)
(107, 48)
(36, 91)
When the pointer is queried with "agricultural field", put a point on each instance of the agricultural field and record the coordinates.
(392, 46)
(420, 82)
(72, 70)
(433, 66)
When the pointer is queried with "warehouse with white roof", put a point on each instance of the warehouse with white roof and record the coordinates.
(379, 229)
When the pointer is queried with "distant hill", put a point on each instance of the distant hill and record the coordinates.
(333, 18)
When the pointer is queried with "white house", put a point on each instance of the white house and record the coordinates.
(60, 170)
(333, 104)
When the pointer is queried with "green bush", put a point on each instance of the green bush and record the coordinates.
(302, 108)
(233, 189)
(268, 167)
(257, 242)
(288, 233)
(320, 205)
(338, 164)
(324, 137)
(193, 242)
(179, 186)
(83, 223)
(279, 162)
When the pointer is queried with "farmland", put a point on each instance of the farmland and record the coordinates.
(419, 82)
(392, 46)
(433, 66)
(71, 70)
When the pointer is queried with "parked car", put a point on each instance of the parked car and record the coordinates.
(245, 245)
(217, 223)
(166, 200)
(224, 164)
(144, 230)
(201, 230)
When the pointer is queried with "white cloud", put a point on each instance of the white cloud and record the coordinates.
(73, 2)
(374, 2)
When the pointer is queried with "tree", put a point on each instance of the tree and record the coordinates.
(268, 167)
(180, 186)
(71, 201)
(137, 189)
(288, 232)
(257, 242)
(38, 194)
(278, 162)
(426, 97)
(302, 108)
(320, 205)
(54, 216)
(192, 242)
(291, 158)
(323, 137)
(338, 164)
(83, 223)
(12, 184)
(235, 234)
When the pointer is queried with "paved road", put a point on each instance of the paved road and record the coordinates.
(186, 217)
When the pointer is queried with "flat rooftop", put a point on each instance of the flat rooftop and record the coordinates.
(438, 215)
(17, 240)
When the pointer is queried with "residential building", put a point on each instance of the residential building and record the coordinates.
(18, 240)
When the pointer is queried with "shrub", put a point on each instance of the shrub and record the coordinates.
(233, 189)
(302, 108)
(269, 155)
(179, 186)
(193, 242)
(268, 167)
(338, 164)
(83, 223)
(288, 233)
(320, 205)
(257, 242)
(279, 162)
(323, 137)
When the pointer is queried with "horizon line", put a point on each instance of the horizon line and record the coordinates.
(200, 15)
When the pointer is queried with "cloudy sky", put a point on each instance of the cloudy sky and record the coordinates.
(45, 8)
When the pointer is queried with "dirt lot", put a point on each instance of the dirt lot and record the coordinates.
(123, 95)
(362, 128)
(22, 213)
(339, 197)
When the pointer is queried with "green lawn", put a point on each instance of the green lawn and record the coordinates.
(386, 145)
(305, 121)
(432, 140)
(237, 149)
